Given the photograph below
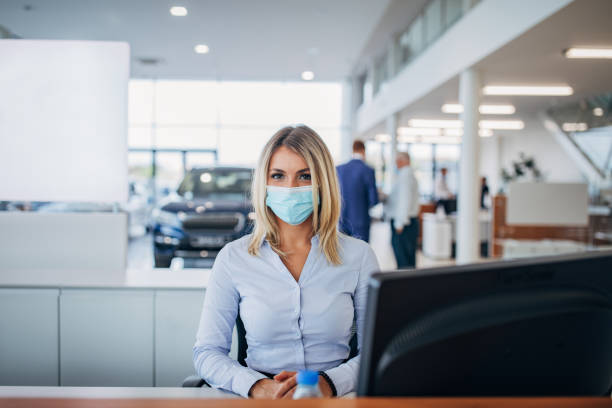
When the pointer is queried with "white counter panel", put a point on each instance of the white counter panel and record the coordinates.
(29, 336)
(106, 338)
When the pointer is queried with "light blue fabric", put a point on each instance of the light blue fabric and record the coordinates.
(291, 204)
(303, 325)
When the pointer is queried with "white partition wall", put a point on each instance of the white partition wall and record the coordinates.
(51, 247)
(547, 204)
(63, 120)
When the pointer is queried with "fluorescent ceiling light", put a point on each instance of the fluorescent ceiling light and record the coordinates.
(382, 138)
(419, 131)
(502, 124)
(485, 132)
(452, 108)
(598, 112)
(178, 11)
(588, 53)
(484, 109)
(307, 75)
(574, 127)
(435, 123)
(430, 139)
(453, 132)
(562, 90)
(497, 109)
(201, 49)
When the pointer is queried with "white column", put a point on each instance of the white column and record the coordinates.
(468, 241)
(346, 131)
(391, 130)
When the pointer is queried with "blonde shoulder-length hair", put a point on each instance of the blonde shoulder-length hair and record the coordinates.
(325, 192)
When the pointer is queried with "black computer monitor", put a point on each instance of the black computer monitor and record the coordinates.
(536, 327)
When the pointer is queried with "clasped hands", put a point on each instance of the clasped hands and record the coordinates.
(283, 385)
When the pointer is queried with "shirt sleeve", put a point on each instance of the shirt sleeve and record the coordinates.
(372, 193)
(214, 337)
(345, 375)
(401, 216)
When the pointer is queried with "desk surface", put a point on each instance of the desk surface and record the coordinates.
(135, 397)
(323, 403)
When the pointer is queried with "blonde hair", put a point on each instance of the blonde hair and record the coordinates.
(325, 191)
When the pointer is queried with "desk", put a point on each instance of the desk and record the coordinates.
(336, 403)
(145, 397)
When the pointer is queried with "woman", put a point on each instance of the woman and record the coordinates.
(297, 283)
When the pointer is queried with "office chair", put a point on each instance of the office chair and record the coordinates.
(197, 381)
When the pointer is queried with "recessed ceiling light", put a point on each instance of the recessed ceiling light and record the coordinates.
(435, 123)
(201, 49)
(307, 75)
(178, 11)
(598, 112)
(588, 53)
(484, 109)
(502, 124)
(561, 90)
(574, 127)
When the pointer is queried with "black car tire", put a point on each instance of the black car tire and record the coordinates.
(162, 261)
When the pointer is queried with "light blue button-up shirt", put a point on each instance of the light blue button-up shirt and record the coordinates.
(289, 325)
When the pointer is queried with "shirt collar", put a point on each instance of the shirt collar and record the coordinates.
(314, 241)
(358, 156)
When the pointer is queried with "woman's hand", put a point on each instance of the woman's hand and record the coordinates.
(288, 379)
(288, 383)
(283, 386)
(264, 388)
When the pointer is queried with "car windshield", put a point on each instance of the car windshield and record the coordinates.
(223, 184)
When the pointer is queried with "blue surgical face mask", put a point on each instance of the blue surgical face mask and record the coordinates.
(291, 204)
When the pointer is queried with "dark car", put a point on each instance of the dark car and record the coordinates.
(210, 208)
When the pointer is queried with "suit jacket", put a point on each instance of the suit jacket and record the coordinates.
(358, 189)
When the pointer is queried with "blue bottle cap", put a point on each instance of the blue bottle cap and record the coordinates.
(307, 377)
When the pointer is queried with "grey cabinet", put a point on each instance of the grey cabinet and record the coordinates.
(29, 337)
(106, 337)
(177, 315)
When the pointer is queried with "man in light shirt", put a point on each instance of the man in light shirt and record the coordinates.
(442, 193)
(403, 210)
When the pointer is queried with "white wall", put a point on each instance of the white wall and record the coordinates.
(63, 120)
(534, 141)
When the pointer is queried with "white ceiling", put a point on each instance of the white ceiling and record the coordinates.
(248, 39)
(536, 58)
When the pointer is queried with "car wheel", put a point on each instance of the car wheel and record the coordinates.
(162, 261)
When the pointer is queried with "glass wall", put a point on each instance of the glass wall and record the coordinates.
(427, 160)
(435, 18)
(178, 125)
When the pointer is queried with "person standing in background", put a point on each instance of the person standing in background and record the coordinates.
(359, 194)
(442, 193)
(484, 191)
(403, 210)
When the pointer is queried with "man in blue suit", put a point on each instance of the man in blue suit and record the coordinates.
(358, 189)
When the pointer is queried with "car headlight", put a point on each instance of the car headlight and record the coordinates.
(167, 217)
